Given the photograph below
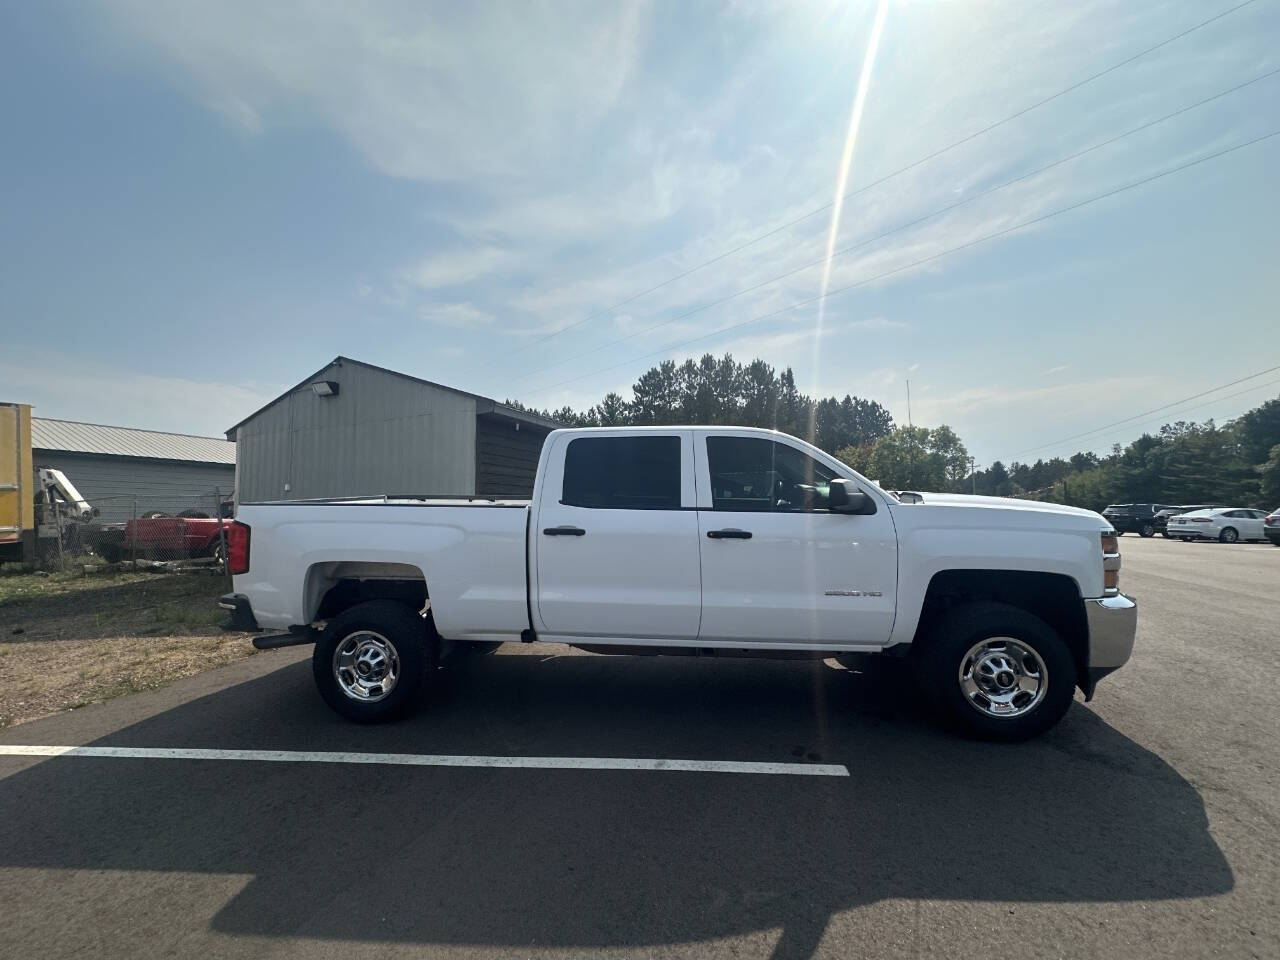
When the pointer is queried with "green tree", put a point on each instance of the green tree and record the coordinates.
(612, 411)
(911, 458)
(1269, 480)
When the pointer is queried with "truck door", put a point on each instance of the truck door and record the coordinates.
(777, 565)
(615, 538)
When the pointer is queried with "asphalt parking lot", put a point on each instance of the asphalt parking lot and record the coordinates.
(1146, 825)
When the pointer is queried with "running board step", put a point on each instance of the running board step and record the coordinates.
(296, 637)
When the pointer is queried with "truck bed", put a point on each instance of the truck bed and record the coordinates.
(471, 551)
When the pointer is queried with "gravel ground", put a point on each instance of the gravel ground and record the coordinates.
(67, 640)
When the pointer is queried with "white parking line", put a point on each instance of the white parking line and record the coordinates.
(432, 760)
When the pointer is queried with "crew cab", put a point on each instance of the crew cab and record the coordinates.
(695, 540)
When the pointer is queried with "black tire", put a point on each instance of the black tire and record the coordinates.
(412, 646)
(194, 515)
(109, 552)
(1229, 535)
(942, 655)
(1146, 530)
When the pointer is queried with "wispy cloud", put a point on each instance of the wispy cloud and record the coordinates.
(460, 316)
(458, 266)
(559, 160)
(71, 389)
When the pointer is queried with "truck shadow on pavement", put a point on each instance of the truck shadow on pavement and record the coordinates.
(580, 859)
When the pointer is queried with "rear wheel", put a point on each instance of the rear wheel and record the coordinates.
(996, 672)
(1229, 535)
(372, 660)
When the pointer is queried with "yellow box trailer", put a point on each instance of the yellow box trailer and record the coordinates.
(17, 498)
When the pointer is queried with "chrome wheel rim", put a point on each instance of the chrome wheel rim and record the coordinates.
(1003, 677)
(1230, 536)
(366, 666)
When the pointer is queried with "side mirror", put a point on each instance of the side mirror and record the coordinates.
(845, 497)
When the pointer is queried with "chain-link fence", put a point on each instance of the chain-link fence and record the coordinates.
(178, 529)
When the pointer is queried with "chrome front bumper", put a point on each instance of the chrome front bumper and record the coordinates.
(1113, 624)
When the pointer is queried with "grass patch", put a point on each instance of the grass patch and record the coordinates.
(70, 639)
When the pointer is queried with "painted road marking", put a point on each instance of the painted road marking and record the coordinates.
(432, 760)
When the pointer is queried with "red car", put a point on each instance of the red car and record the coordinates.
(160, 536)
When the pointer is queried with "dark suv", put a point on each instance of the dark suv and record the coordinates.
(1139, 518)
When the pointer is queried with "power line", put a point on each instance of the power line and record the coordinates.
(901, 170)
(923, 260)
(1201, 406)
(1165, 418)
(911, 223)
(1145, 413)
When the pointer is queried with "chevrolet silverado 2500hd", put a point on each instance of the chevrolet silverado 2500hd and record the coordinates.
(686, 539)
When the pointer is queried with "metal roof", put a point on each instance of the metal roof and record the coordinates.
(484, 405)
(72, 437)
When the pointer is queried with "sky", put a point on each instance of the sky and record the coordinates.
(204, 203)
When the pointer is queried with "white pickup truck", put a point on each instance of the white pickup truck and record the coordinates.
(704, 540)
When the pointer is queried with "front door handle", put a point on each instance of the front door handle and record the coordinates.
(732, 533)
(564, 531)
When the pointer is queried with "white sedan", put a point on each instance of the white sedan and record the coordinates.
(1227, 524)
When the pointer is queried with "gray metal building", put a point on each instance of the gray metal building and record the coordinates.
(120, 469)
(355, 429)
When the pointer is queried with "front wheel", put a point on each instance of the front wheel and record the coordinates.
(372, 660)
(996, 672)
(1147, 530)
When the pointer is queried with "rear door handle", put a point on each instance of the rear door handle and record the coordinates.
(732, 533)
(564, 531)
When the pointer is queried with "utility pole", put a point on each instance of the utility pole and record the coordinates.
(973, 472)
(909, 423)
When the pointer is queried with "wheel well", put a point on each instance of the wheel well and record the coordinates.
(334, 587)
(1052, 597)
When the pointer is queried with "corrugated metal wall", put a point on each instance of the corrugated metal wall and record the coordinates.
(381, 434)
(111, 483)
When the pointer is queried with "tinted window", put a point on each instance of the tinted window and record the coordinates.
(754, 474)
(628, 473)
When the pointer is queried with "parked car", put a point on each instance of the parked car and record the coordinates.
(1136, 518)
(1271, 527)
(159, 536)
(695, 540)
(1226, 525)
(1161, 518)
